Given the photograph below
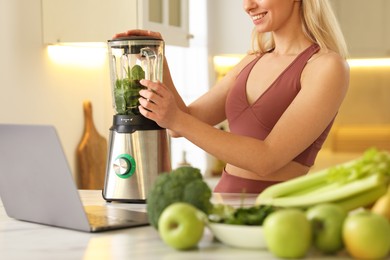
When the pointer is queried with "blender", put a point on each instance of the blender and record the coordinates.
(138, 148)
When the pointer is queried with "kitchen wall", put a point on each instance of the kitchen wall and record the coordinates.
(364, 117)
(36, 89)
(229, 29)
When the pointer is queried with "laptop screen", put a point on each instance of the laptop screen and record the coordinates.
(36, 183)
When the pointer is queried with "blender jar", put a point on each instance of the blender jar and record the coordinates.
(132, 59)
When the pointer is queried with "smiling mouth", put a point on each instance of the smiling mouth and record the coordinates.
(258, 16)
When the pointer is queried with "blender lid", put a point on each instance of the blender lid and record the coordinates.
(133, 44)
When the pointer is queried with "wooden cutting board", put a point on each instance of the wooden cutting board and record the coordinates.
(91, 154)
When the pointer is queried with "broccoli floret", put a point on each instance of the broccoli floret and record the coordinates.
(184, 184)
(198, 194)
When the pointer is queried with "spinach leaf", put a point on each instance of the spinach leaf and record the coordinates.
(126, 91)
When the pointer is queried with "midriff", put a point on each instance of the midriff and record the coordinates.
(291, 170)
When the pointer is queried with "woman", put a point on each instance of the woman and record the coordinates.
(280, 100)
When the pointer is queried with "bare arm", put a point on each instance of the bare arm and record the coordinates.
(324, 84)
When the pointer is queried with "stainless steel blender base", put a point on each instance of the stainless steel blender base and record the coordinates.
(134, 162)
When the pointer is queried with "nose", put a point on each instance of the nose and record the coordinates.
(249, 5)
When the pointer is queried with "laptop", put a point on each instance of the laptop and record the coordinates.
(36, 184)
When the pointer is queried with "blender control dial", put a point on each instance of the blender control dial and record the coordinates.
(121, 166)
(124, 166)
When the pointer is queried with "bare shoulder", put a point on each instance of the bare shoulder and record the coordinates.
(328, 61)
(327, 67)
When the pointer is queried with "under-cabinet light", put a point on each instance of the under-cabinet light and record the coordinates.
(224, 63)
(78, 54)
(379, 62)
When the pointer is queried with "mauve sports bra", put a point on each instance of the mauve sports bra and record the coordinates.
(258, 119)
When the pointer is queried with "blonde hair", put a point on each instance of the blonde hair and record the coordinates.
(319, 25)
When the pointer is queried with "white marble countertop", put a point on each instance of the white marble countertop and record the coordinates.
(23, 240)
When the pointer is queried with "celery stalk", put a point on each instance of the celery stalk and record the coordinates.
(363, 199)
(323, 187)
(345, 191)
(299, 185)
(352, 184)
(294, 185)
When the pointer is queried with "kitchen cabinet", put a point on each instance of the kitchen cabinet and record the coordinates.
(67, 21)
(366, 26)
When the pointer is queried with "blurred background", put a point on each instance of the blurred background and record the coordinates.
(53, 58)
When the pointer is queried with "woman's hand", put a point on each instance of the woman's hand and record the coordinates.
(138, 32)
(158, 103)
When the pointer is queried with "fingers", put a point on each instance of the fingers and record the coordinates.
(119, 35)
(138, 32)
(149, 96)
(154, 87)
(148, 108)
(152, 97)
(147, 103)
(152, 94)
(155, 102)
(147, 113)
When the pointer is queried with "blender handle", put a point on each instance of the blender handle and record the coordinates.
(151, 57)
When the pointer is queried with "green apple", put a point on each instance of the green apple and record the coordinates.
(367, 235)
(181, 225)
(327, 223)
(287, 233)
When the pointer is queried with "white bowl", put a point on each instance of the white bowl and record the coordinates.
(241, 236)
